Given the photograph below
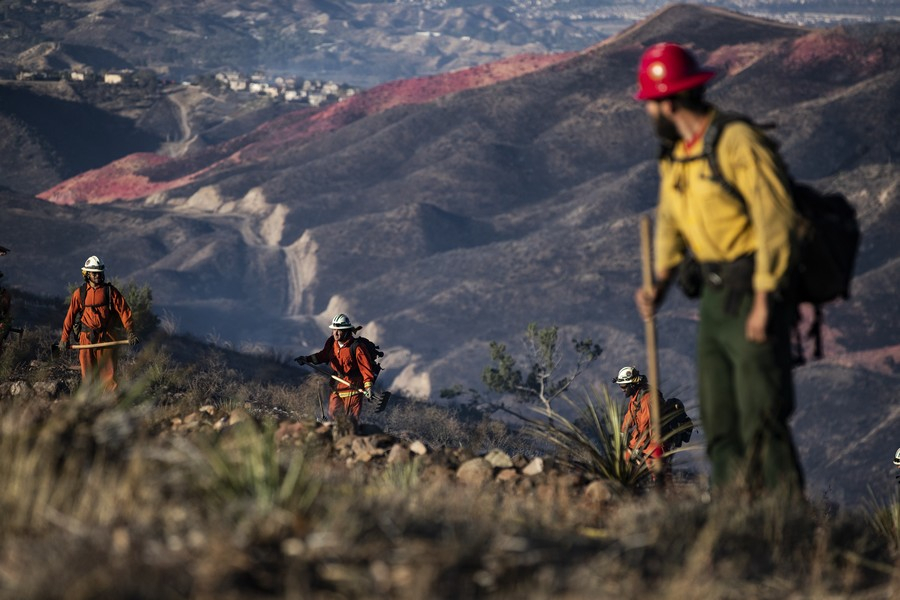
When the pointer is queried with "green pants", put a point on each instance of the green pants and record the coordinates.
(746, 396)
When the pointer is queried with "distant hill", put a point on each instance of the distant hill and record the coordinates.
(362, 43)
(446, 212)
(51, 135)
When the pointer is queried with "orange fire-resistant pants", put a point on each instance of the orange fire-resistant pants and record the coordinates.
(345, 402)
(98, 363)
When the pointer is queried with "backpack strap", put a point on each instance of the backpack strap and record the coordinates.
(109, 305)
(82, 294)
(711, 138)
(711, 145)
(710, 152)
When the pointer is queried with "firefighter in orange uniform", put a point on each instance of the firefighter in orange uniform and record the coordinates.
(349, 362)
(636, 423)
(92, 305)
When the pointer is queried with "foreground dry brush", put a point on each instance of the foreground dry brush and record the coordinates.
(200, 481)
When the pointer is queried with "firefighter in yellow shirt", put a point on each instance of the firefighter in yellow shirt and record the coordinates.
(743, 245)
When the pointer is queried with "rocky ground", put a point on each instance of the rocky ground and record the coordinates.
(209, 475)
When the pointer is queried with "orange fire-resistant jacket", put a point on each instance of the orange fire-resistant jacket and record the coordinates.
(637, 420)
(96, 317)
(355, 368)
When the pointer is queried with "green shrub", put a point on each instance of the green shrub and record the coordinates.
(402, 476)
(885, 518)
(140, 299)
(245, 464)
(543, 382)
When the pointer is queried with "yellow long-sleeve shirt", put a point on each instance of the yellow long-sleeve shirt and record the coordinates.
(718, 227)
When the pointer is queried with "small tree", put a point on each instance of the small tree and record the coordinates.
(140, 300)
(544, 354)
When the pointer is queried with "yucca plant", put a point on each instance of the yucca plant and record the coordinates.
(885, 517)
(594, 442)
(245, 464)
(402, 476)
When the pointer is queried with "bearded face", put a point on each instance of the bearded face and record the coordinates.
(665, 130)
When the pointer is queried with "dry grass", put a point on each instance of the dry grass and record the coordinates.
(104, 497)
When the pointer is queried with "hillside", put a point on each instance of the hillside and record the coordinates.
(54, 130)
(210, 474)
(362, 42)
(446, 212)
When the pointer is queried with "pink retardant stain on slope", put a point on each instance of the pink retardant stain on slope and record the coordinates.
(822, 47)
(129, 178)
(116, 181)
(734, 59)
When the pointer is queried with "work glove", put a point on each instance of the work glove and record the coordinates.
(368, 394)
(301, 360)
(63, 345)
(132, 339)
(381, 401)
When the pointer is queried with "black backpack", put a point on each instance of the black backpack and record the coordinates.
(828, 232)
(674, 417)
(371, 350)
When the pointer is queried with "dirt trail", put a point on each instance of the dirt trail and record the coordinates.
(186, 99)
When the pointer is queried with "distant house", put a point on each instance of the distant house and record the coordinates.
(316, 99)
(117, 77)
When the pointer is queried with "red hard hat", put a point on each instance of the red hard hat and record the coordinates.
(667, 69)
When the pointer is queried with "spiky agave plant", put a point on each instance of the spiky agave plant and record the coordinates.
(885, 517)
(248, 464)
(593, 442)
(402, 476)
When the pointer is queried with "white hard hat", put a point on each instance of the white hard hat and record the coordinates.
(627, 376)
(93, 264)
(340, 321)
